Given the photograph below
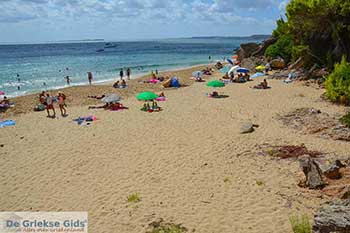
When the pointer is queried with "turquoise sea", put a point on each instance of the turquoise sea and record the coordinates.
(34, 67)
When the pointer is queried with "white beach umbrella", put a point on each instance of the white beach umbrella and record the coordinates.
(233, 69)
(113, 98)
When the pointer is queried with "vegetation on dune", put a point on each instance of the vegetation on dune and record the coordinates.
(316, 30)
(300, 224)
(338, 82)
(345, 120)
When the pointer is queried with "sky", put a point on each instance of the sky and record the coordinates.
(28, 21)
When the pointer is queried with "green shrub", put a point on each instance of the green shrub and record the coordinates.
(133, 198)
(338, 82)
(300, 224)
(282, 48)
(345, 120)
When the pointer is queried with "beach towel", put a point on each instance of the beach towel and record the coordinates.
(161, 98)
(81, 120)
(7, 123)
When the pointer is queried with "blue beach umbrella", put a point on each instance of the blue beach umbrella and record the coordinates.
(229, 61)
(243, 70)
(258, 74)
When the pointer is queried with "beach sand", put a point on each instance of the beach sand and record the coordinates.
(188, 163)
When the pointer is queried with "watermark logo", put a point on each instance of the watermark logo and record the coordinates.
(67, 222)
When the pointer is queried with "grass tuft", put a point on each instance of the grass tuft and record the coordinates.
(300, 224)
(133, 198)
(345, 120)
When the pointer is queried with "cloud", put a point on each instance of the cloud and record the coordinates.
(158, 18)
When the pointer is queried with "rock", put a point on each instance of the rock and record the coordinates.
(278, 63)
(264, 46)
(345, 194)
(333, 217)
(333, 171)
(246, 50)
(247, 127)
(312, 172)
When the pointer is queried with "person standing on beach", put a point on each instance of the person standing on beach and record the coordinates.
(62, 104)
(90, 77)
(49, 106)
(121, 74)
(128, 73)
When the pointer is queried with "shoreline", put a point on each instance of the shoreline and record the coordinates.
(77, 95)
(108, 81)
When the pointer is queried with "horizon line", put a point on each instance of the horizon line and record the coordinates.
(100, 40)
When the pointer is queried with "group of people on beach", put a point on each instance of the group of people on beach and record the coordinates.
(48, 101)
(239, 78)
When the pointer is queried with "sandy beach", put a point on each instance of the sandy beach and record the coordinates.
(188, 163)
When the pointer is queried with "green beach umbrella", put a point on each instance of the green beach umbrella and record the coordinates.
(215, 83)
(146, 96)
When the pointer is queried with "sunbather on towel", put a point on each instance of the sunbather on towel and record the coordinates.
(214, 94)
(96, 97)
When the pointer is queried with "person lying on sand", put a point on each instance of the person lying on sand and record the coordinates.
(214, 94)
(96, 97)
(115, 107)
(262, 85)
(161, 94)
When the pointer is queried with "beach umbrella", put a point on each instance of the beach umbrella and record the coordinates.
(225, 70)
(111, 99)
(243, 70)
(233, 69)
(215, 83)
(146, 96)
(258, 74)
(260, 68)
(229, 61)
(197, 74)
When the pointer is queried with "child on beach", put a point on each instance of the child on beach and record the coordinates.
(62, 104)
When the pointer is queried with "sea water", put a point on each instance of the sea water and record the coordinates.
(31, 68)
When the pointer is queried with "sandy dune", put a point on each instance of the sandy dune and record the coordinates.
(188, 163)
